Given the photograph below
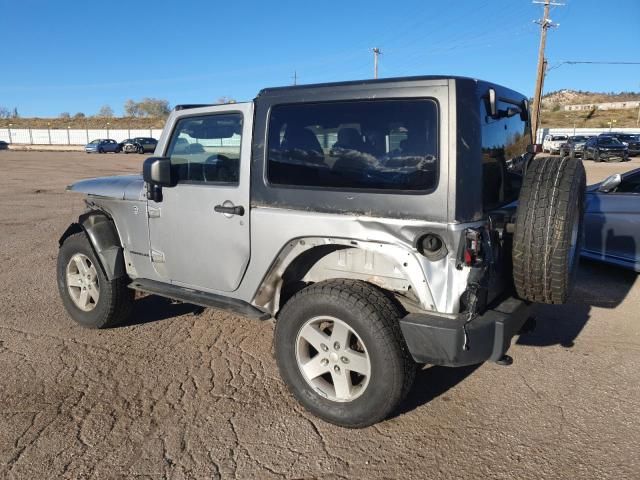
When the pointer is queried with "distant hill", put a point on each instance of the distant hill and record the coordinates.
(553, 114)
(560, 98)
(85, 122)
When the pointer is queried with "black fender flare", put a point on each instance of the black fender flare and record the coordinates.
(103, 236)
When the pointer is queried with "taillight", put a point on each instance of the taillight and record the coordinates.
(472, 252)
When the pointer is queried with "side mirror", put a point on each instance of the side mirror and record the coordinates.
(493, 103)
(534, 148)
(157, 171)
(610, 183)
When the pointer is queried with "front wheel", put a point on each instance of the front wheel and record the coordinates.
(89, 297)
(341, 353)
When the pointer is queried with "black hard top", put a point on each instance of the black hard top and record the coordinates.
(364, 83)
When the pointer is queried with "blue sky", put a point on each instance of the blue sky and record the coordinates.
(76, 56)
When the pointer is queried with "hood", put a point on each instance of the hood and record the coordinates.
(121, 187)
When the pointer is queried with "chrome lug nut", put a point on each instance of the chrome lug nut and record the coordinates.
(344, 359)
(324, 362)
(324, 347)
(336, 369)
(336, 345)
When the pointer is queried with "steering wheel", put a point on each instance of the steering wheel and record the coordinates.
(216, 169)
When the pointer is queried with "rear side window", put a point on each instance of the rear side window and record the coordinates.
(378, 145)
(504, 142)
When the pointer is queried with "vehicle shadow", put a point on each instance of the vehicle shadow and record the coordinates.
(152, 308)
(432, 382)
(597, 285)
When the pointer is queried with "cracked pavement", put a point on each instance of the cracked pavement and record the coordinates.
(178, 393)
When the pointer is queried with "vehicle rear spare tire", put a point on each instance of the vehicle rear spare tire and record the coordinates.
(548, 232)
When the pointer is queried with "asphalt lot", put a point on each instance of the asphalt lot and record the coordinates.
(182, 394)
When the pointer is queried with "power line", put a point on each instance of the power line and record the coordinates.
(585, 62)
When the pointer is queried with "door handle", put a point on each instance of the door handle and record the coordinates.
(229, 210)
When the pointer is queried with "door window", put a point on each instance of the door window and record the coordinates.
(206, 149)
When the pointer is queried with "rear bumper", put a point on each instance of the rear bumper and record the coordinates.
(455, 342)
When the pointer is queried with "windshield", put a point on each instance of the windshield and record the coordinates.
(94, 142)
(557, 138)
(627, 138)
(578, 138)
(609, 141)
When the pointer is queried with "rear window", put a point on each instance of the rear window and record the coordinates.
(504, 142)
(376, 144)
(557, 138)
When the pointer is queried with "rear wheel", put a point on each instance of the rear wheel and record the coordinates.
(100, 150)
(89, 297)
(341, 353)
(548, 231)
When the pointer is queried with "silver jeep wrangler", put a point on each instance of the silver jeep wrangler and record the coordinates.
(382, 224)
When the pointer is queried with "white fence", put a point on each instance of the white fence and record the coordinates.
(71, 136)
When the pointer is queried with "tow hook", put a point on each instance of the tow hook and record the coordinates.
(505, 360)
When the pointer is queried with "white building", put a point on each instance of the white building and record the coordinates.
(604, 106)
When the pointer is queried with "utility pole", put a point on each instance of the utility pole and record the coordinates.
(376, 52)
(545, 24)
(295, 77)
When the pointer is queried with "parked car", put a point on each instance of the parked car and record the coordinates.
(377, 235)
(102, 145)
(140, 145)
(573, 146)
(605, 149)
(551, 143)
(612, 221)
(122, 143)
(631, 141)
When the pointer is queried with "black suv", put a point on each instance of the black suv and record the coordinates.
(631, 141)
(605, 148)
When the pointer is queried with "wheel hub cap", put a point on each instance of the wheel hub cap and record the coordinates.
(332, 359)
(82, 282)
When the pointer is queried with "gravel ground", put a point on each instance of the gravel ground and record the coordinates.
(179, 393)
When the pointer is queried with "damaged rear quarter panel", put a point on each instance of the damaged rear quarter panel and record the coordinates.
(438, 285)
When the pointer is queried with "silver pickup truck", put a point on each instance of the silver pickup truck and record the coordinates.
(382, 224)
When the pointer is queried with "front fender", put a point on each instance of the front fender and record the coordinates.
(103, 236)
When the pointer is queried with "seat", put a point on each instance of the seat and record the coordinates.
(349, 138)
(301, 138)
